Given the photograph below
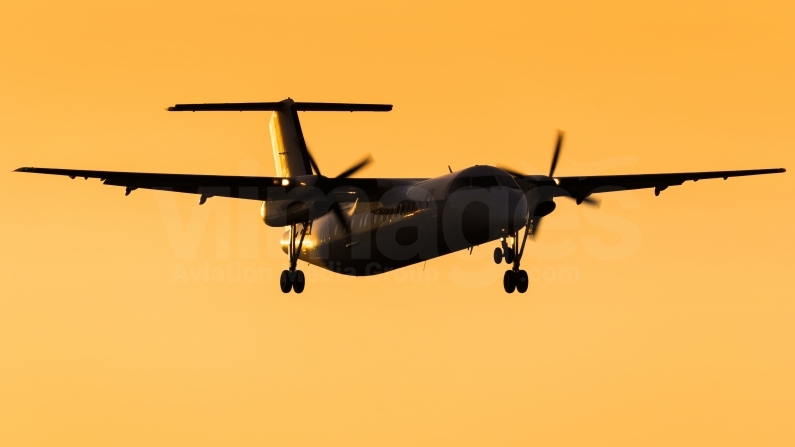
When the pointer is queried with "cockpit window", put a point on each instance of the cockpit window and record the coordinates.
(508, 182)
(484, 181)
(461, 182)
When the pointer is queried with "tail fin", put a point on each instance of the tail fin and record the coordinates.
(289, 148)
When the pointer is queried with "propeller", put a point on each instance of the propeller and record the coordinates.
(555, 157)
(536, 220)
(355, 168)
(335, 206)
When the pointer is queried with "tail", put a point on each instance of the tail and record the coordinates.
(287, 140)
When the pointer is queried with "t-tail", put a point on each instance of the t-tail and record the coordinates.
(290, 152)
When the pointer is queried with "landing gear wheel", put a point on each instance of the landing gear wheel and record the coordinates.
(285, 283)
(521, 281)
(509, 281)
(497, 255)
(509, 256)
(299, 282)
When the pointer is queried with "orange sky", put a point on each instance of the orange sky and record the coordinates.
(146, 320)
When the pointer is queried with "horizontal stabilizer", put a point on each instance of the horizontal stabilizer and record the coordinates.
(276, 106)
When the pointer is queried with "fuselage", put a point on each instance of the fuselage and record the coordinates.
(415, 222)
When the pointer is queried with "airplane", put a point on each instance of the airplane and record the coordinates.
(369, 226)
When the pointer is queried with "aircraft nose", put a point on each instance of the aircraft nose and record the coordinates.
(499, 215)
(478, 216)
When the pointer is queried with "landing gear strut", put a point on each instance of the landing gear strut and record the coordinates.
(293, 278)
(515, 278)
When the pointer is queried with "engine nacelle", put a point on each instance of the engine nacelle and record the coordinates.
(299, 200)
(282, 212)
(544, 208)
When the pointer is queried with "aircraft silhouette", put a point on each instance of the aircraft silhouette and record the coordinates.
(367, 226)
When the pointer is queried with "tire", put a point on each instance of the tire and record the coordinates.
(284, 282)
(521, 281)
(299, 282)
(509, 281)
(509, 255)
(497, 255)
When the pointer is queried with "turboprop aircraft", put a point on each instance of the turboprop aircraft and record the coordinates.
(368, 226)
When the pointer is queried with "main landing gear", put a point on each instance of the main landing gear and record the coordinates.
(515, 278)
(293, 278)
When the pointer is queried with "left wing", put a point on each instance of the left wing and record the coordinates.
(253, 188)
(342, 189)
(581, 187)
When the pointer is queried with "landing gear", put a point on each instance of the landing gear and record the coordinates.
(497, 255)
(285, 281)
(509, 256)
(515, 278)
(507, 253)
(509, 281)
(294, 279)
(299, 282)
(521, 281)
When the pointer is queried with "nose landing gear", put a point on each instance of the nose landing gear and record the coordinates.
(294, 279)
(506, 253)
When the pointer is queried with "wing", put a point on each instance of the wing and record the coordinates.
(253, 188)
(581, 187)
(239, 187)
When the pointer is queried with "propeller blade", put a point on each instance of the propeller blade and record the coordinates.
(312, 160)
(511, 171)
(353, 169)
(557, 153)
(588, 200)
(335, 207)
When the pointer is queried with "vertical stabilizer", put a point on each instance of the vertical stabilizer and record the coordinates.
(287, 140)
